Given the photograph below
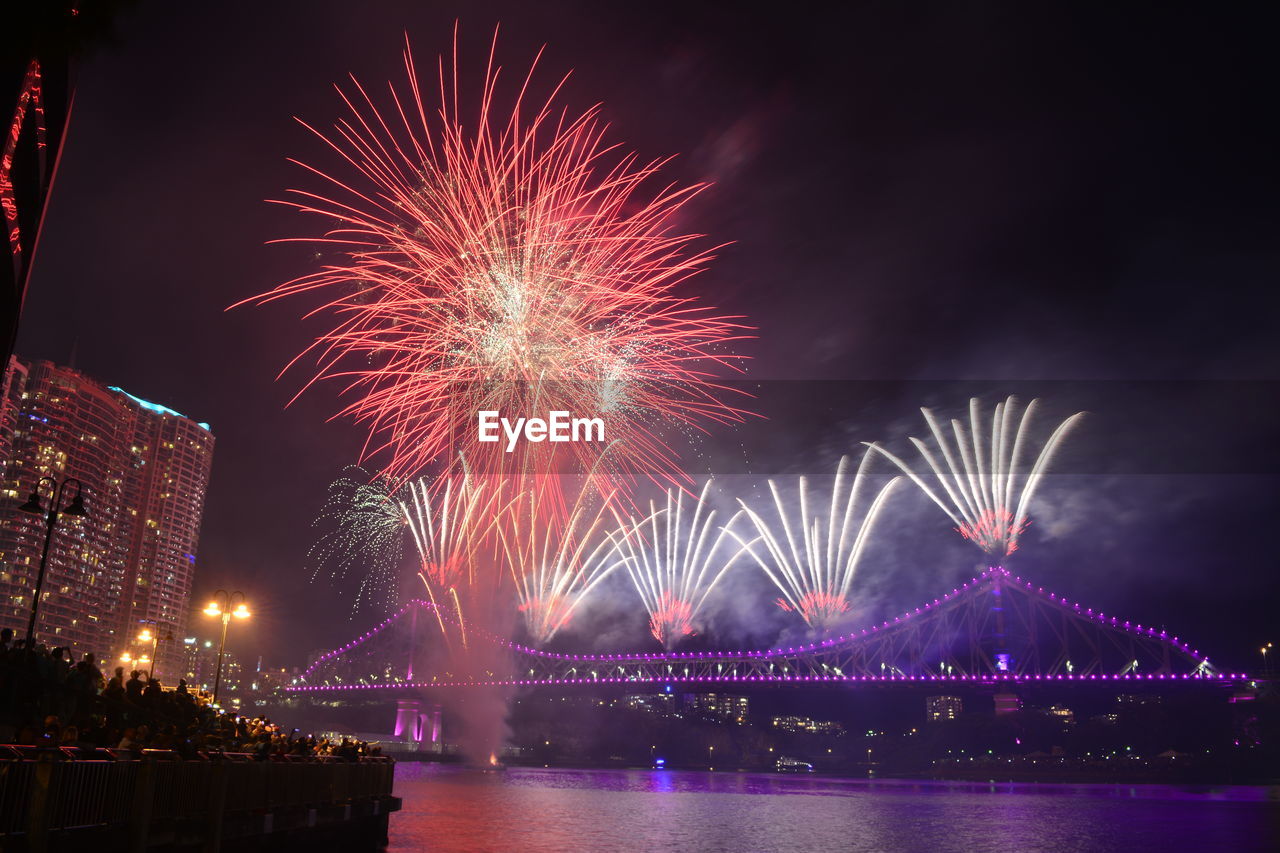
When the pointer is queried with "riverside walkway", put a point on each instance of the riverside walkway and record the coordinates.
(108, 800)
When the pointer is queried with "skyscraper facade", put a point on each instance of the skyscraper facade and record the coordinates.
(144, 470)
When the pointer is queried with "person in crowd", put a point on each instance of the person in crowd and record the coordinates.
(47, 702)
(152, 695)
(89, 673)
(52, 731)
(129, 740)
(61, 663)
(115, 687)
(133, 688)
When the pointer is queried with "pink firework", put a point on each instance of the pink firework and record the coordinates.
(514, 262)
(671, 619)
(818, 607)
(983, 473)
(995, 531)
(555, 561)
(810, 551)
(675, 560)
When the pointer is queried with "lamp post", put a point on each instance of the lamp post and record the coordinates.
(1265, 649)
(224, 606)
(75, 509)
(152, 635)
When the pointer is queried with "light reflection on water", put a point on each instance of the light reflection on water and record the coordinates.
(534, 810)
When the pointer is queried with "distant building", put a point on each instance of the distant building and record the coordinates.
(653, 703)
(1130, 700)
(717, 706)
(938, 708)
(1064, 714)
(198, 661)
(143, 469)
(267, 684)
(805, 725)
(199, 666)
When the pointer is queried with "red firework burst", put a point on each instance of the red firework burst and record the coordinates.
(514, 263)
(671, 620)
(995, 531)
(818, 607)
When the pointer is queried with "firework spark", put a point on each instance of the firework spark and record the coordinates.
(555, 562)
(363, 531)
(988, 489)
(671, 557)
(817, 606)
(450, 526)
(513, 263)
(811, 562)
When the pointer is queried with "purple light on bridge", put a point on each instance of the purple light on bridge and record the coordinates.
(734, 656)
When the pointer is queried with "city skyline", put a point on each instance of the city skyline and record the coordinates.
(142, 470)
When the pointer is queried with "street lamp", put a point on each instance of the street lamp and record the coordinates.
(225, 605)
(1265, 649)
(74, 509)
(152, 635)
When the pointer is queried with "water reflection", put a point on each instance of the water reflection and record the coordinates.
(535, 810)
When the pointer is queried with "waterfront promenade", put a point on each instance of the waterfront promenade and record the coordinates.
(119, 800)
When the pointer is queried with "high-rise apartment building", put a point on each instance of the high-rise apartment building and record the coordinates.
(144, 470)
(171, 455)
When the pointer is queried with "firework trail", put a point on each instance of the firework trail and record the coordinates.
(511, 262)
(671, 559)
(813, 556)
(981, 473)
(556, 562)
(450, 527)
(363, 531)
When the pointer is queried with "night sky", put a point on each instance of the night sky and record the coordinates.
(922, 203)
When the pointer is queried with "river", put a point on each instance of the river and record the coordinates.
(525, 810)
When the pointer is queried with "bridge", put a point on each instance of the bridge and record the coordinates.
(997, 628)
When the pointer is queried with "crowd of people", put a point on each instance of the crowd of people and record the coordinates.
(47, 699)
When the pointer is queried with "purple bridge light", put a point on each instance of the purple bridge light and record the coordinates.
(1033, 636)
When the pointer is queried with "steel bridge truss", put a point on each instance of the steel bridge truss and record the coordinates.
(995, 627)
